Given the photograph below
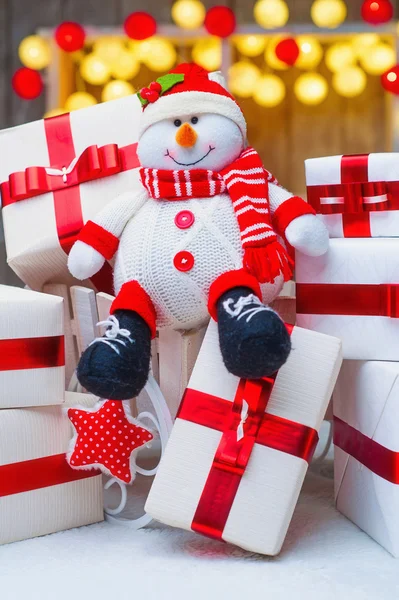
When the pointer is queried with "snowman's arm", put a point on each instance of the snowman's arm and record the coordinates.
(98, 240)
(295, 221)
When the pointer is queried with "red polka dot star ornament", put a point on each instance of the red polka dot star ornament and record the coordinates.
(70, 36)
(106, 438)
(140, 26)
(390, 80)
(220, 21)
(377, 12)
(27, 83)
(287, 51)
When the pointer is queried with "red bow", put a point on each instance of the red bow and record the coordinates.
(93, 163)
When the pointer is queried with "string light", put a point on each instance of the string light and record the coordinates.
(94, 70)
(340, 56)
(27, 83)
(270, 14)
(363, 42)
(243, 78)
(269, 91)
(140, 26)
(251, 45)
(311, 52)
(378, 59)
(287, 50)
(34, 52)
(377, 12)
(79, 100)
(188, 14)
(270, 55)
(116, 89)
(311, 89)
(108, 48)
(207, 53)
(158, 54)
(350, 82)
(328, 13)
(390, 80)
(126, 67)
(70, 36)
(220, 21)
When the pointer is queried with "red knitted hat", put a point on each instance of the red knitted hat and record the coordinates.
(188, 89)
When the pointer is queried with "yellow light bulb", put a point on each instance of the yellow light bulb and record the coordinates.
(350, 82)
(108, 48)
(270, 14)
(54, 112)
(311, 88)
(207, 53)
(188, 14)
(328, 13)
(116, 89)
(251, 45)
(363, 42)
(340, 56)
(311, 52)
(79, 100)
(269, 91)
(243, 78)
(270, 55)
(158, 54)
(378, 59)
(34, 52)
(94, 70)
(126, 66)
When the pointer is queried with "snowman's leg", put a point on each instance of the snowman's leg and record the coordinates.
(253, 338)
(116, 366)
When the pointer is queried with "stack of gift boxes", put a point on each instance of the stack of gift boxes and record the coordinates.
(353, 293)
(55, 174)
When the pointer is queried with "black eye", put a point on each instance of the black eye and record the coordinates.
(177, 123)
(194, 120)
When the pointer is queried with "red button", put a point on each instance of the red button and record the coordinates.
(184, 219)
(183, 261)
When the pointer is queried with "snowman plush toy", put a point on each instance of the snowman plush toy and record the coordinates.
(200, 238)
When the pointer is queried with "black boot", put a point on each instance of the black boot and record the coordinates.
(116, 366)
(253, 339)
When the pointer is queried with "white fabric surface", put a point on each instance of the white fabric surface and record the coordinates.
(324, 556)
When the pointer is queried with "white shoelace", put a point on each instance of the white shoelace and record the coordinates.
(237, 309)
(113, 330)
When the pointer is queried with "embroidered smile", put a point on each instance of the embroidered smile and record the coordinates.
(190, 164)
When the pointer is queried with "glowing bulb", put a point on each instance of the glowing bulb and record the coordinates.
(269, 91)
(378, 59)
(126, 67)
(108, 48)
(328, 13)
(251, 45)
(339, 56)
(243, 78)
(94, 70)
(270, 55)
(54, 112)
(311, 88)
(79, 100)
(207, 53)
(311, 52)
(116, 89)
(158, 54)
(270, 14)
(188, 14)
(34, 52)
(350, 82)
(363, 42)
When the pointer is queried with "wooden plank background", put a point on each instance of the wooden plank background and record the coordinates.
(284, 135)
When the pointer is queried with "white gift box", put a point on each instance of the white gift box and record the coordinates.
(32, 348)
(350, 293)
(356, 196)
(39, 492)
(209, 481)
(366, 454)
(58, 173)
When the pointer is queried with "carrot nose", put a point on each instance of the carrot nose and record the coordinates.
(186, 136)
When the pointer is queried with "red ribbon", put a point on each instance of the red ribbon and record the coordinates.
(380, 300)
(233, 453)
(29, 475)
(352, 190)
(371, 454)
(94, 163)
(32, 353)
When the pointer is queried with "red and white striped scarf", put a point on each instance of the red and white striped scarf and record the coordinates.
(247, 183)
